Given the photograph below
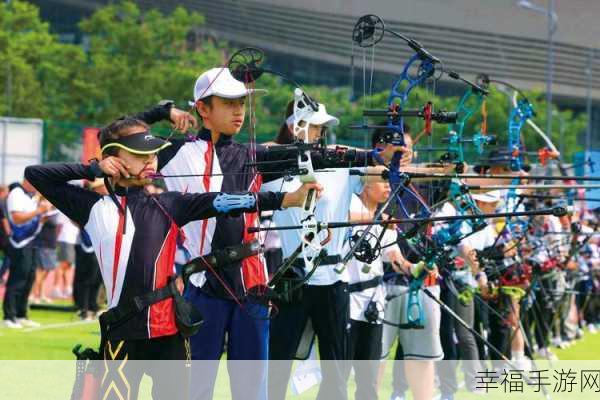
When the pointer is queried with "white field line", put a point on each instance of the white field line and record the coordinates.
(58, 326)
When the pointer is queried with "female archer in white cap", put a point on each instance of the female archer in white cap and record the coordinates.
(324, 299)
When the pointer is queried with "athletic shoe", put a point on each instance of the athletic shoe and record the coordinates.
(557, 342)
(9, 323)
(547, 354)
(579, 333)
(86, 315)
(34, 300)
(523, 364)
(397, 396)
(27, 323)
(592, 329)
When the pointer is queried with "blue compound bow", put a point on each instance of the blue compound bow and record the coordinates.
(368, 31)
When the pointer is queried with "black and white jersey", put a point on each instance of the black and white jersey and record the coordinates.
(225, 166)
(135, 249)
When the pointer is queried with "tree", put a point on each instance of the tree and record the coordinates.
(36, 80)
(132, 59)
(136, 59)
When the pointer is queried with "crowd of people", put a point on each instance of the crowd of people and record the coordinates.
(499, 288)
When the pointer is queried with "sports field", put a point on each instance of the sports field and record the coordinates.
(60, 331)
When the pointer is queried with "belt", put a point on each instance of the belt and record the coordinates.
(127, 310)
(327, 260)
(220, 258)
(187, 318)
(360, 286)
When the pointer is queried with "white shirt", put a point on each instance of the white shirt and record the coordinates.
(270, 239)
(448, 210)
(191, 160)
(361, 272)
(334, 204)
(477, 241)
(19, 201)
(481, 239)
(556, 240)
(69, 232)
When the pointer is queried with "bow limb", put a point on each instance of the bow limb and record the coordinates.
(534, 126)
(304, 109)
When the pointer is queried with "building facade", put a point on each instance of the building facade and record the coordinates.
(311, 39)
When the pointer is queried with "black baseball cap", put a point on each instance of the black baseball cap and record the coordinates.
(138, 143)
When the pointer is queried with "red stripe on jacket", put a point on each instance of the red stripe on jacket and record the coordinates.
(162, 314)
(118, 243)
(253, 268)
(208, 161)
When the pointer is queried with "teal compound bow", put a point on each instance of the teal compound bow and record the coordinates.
(468, 105)
(458, 193)
(368, 31)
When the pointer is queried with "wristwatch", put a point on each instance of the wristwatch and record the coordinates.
(95, 168)
(167, 105)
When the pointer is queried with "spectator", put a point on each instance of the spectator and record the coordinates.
(44, 255)
(4, 233)
(24, 216)
(68, 233)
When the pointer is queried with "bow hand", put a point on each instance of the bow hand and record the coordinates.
(306, 194)
(390, 149)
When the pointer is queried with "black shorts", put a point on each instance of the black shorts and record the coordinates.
(166, 360)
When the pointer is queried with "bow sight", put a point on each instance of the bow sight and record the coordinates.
(395, 113)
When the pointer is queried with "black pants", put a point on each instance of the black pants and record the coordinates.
(20, 281)
(533, 323)
(129, 360)
(482, 324)
(274, 258)
(465, 349)
(448, 383)
(365, 351)
(5, 261)
(87, 281)
(327, 308)
(500, 330)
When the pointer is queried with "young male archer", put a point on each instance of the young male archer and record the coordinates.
(213, 161)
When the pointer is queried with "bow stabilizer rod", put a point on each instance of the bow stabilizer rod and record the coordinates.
(556, 211)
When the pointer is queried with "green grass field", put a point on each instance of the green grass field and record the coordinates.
(60, 331)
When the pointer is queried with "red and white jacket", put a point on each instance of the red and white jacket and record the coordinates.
(135, 249)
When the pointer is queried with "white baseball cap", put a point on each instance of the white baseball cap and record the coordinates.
(488, 197)
(220, 82)
(321, 117)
